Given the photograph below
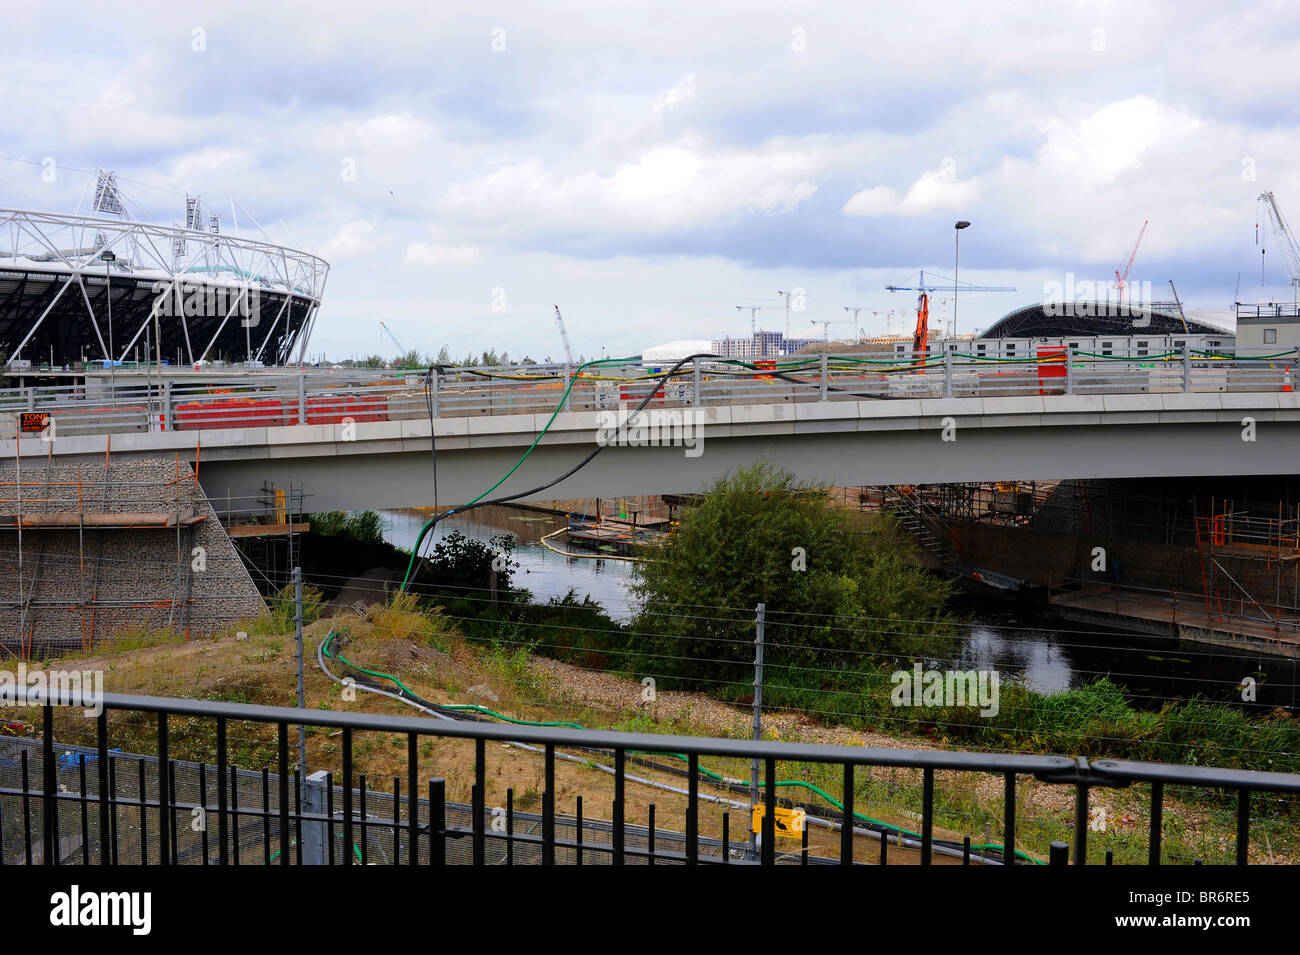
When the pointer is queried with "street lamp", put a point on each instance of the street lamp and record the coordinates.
(108, 258)
(961, 224)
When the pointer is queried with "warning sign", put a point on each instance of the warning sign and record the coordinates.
(33, 422)
(789, 822)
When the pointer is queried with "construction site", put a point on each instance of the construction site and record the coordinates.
(93, 551)
(1201, 560)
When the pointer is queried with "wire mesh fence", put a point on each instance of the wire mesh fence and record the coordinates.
(254, 831)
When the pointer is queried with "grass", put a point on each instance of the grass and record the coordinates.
(366, 527)
(282, 615)
(420, 645)
(402, 618)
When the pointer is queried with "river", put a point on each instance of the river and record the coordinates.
(1039, 651)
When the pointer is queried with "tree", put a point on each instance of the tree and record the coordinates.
(409, 360)
(461, 564)
(444, 357)
(839, 596)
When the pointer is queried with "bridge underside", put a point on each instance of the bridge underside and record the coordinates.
(405, 479)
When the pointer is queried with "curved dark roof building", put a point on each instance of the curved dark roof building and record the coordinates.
(1085, 319)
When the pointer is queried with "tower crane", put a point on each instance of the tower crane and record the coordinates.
(1122, 280)
(753, 318)
(921, 337)
(858, 310)
(826, 328)
(1284, 237)
(564, 337)
(389, 332)
(923, 288)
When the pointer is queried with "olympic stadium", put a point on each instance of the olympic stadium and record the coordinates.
(103, 287)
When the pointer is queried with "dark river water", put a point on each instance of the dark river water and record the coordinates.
(1042, 652)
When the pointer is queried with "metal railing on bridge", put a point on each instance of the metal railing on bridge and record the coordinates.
(137, 401)
(61, 803)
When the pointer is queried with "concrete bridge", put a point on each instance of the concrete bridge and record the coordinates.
(375, 449)
(388, 464)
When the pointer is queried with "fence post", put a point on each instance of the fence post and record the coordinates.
(1187, 367)
(167, 421)
(699, 398)
(314, 831)
(758, 719)
(1058, 854)
(1069, 369)
(947, 374)
(302, 397)
(825, 373)
(297, 623)
(437, 377)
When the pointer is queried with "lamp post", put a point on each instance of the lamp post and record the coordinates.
(108, 258)
(956, 255)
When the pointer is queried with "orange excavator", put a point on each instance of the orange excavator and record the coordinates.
(921, 337)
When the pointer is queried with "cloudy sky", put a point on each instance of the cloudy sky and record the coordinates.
(651, 166)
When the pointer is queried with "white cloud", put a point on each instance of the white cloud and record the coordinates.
(671, 187)
(438, 255)
(617, 125)
(934, 191)
(1111, 141)
(681, 93)
(352, 240)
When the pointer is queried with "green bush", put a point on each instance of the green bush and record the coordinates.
(838, 596)
(365, 527)
(460, 564)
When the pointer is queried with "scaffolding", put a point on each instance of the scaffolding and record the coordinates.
(47, 506)
(267, 538)
(1256, 547)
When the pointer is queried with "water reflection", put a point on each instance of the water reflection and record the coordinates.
(541, 571)
(1043, 653)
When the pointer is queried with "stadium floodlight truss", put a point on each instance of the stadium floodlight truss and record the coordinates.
(206, 293)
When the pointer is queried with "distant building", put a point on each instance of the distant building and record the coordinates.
(1268, 326)
(761, 345)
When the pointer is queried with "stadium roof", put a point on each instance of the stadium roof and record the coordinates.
(1057, 319)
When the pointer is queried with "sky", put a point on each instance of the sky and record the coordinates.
(650, 166)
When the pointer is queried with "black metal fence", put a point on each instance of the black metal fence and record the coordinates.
(95, 805)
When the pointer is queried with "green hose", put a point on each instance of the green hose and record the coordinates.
(337, 835)
(410, 564)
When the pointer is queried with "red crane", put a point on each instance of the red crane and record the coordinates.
(1122, 280)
